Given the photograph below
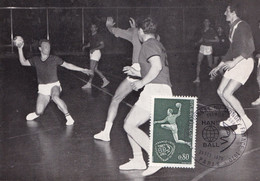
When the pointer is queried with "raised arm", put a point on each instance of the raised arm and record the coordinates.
(118, 32)
(22, 59)
(110, 24)
(179, 112)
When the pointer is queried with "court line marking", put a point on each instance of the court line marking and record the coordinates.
(30, 134)
(129, 105)
(204, 173)
(108, 93)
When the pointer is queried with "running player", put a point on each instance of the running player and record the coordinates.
(156, 81)
(239, 64)
(124, 88)
(49, 87)
(95, 44)
(209, 37)
(171, 118)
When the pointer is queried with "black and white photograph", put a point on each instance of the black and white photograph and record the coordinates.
(78, 80)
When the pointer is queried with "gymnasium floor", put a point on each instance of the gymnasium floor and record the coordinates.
(45, 149)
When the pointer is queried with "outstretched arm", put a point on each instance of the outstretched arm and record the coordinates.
(22, 59)
(70, 66)
(85, 46)
(161, 121)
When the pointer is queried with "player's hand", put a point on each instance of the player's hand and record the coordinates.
(137, 85)
(110, 21)
(131, 71)
(132, 22)
(228, 65)
(214, 72)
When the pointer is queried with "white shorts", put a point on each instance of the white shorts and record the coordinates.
(45, 89)
(150, 90)
(96, 55)
(205, 50)
(241, 71)
(137, 67)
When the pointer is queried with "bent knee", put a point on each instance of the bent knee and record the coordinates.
(129, 127)
(220, 92)
(55, 98)
(227, 94)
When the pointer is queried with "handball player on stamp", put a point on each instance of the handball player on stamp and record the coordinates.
(173, 129)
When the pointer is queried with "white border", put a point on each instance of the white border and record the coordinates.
(193, 152)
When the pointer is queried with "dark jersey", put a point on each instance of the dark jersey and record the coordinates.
(150, 48)
(241, 41)
(95, 40)
(46, 70)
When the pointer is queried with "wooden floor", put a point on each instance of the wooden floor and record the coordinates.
(46, 149)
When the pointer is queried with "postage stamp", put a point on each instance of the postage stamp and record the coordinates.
(173, 130)
(217, 144)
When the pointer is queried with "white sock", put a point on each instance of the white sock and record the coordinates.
(108, 127)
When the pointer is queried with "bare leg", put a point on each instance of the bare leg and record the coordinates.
(41, 103)
(55, 95)
(228, 95)
(200, 58)
(122, 91)
(176, 138)
(244, 123)
(137, 138)
(210, 61)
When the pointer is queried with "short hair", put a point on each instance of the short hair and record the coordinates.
(148, 25)
(170, 110)
(44, 41)
(235, 6)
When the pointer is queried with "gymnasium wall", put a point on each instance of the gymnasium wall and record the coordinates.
(67, 27)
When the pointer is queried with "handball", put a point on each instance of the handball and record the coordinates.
(18, 41)
(178, 105)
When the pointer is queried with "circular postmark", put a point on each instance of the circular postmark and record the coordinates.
(217, 146)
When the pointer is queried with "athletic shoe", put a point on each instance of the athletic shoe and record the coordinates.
(105, 83)
(243, 126)
(31, 116)
(70, 120)
(256, 102)
(133, 164)
(102, 136)
(151, 170)
(229, 122)
(87, 86)
(197, 80)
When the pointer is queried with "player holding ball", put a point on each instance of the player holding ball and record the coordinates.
(49, 87)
